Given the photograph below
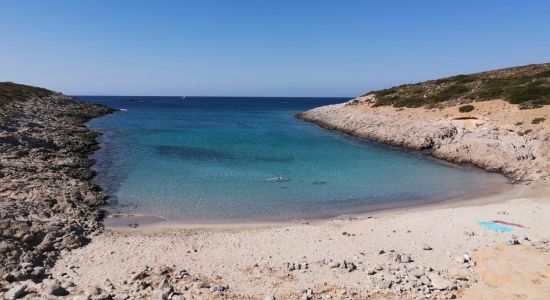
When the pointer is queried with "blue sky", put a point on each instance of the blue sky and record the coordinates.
(262, 48)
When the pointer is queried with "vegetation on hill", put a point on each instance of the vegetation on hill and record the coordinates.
(528, 86)
(10, 91)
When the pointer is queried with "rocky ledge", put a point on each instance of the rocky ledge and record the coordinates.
(494, 135)
(47, 203)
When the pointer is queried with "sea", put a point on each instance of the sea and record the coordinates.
(249, 159)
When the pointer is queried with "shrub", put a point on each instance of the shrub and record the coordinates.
(543, 74)
(529, 92)
(528, 86)
(537, 120)
(449, 93)
(530, 105)
(466, 108)
(522, 133)
(354, 102)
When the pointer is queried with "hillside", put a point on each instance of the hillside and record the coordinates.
(528, 86)
(10, 91)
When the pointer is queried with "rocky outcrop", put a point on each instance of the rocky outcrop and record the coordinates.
(47, 203)
(489, 137)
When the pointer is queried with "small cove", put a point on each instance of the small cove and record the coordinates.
(217, 159)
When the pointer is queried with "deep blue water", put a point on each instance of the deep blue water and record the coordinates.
(209, 159)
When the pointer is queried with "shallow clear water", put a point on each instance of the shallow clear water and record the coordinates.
(211, 159)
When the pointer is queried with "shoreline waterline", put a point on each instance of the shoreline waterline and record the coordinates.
(154, 222)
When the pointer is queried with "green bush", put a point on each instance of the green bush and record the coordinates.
(466, 108)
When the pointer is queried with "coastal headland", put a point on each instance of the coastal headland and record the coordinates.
(497, 120)
(55, 246)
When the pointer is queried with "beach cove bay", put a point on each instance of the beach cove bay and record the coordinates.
(238, 159)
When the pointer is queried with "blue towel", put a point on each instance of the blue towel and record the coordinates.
(495, 227)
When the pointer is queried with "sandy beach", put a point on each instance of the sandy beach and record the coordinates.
(385, 254)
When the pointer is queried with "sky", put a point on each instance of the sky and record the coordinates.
(262, 48)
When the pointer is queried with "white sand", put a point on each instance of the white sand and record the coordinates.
(250, 258)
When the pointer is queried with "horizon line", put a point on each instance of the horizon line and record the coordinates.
(75, 95)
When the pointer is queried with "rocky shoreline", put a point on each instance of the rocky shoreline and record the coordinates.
(47, 203)
(496, 136)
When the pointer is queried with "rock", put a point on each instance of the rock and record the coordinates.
(333, 264)
(93, 291)
(81, 297)
(139, 276)
(350, 266)
(200, 285)
(56, 289)
(439, 282)
(162, 294)
(16, 292)
(469, 233)
(102, 296)
(290, 266)
(179, 274)
(270, 297)
(38, 271)
(161, 270)
(219, 288)
(307, 294)
(512, 241)
(163, 284)
(403, 258)
(425, 280)
(427, 247)
(460, 259)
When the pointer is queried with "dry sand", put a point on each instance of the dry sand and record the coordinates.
(252, 259)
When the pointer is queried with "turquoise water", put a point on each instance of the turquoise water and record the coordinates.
(214, 159)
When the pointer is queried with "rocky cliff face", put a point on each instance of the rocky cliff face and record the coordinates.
(496, 135)
(47, 203)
